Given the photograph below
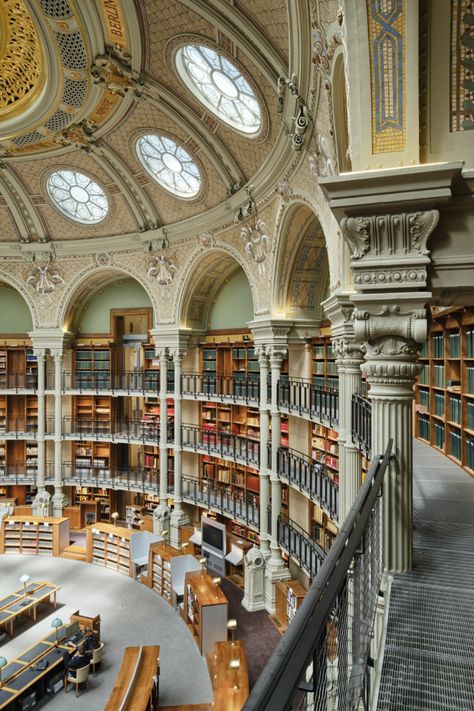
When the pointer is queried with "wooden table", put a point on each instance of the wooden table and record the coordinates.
(19, 675)
(18, 603)
(224, 680)
(136, 687)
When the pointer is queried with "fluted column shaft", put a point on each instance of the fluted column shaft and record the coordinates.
(58, 359)
(163, 357)
(264, 439)
(177, 361)
(41, 359)
(276, 359)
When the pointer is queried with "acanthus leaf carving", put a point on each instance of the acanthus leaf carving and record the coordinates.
(421, 225)
(355, 231)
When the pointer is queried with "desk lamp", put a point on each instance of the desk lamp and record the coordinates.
(115, 516)
(217, 582)
(202, 562)
(164, 534)
(3, 663)
(57, 623)
(45, 507)
(184, 546)
(140, 522)
(232, 626)
(25, 578)
(234, 664)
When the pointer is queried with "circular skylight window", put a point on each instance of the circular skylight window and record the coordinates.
(220, 86)
(170, 165)
(77, 196)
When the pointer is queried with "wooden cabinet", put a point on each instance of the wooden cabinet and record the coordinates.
(289, 596)
(159, 576)
(231, 688)
(205, 611)
(34, 535)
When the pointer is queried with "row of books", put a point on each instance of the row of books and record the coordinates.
(439, 434)
(455, 409)
(438, 346)
(424, 427)
(439, 404)
(455, 444)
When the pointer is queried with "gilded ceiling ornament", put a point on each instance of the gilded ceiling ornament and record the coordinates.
(161, 268)
(44, 278)
(116, 75)
(21, 58)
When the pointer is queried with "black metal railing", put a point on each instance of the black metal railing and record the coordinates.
(138, 380)
(127, 478)
(18, 474)
(19, 427)
(311, 477)
(300, 546)
(18, 381)
(242, 507)
(321, 661)
(302, 397)
(221, 443)
(241, 387)
(122, 430)
(362, 424)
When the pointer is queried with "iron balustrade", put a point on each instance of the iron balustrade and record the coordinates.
(221, 443)
(300, 546)
(321, 661)
(133, 381)
(19, 381)
(362, 424)
(232, 388)
(242, 507)
(311, 477)
(18, 474)
(19, 427)
(110, 430)
(302, 397)
(127, 478)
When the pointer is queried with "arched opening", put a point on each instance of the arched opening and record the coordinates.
(217, 294)
(15, 315)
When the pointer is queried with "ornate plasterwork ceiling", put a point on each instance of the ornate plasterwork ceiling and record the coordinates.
(104, 75)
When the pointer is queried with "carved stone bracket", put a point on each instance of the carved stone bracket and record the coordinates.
(389, 251)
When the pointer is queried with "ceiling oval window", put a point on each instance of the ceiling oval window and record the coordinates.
(170, 165)
(77, 196)
(219, 85)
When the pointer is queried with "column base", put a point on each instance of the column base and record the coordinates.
(161, 519)
(177, 519)
(254, 580)
(41, 505)
(275, 571)
(59, 502)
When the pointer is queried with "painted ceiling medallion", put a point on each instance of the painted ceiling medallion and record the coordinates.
(21, 58)
(219, 85)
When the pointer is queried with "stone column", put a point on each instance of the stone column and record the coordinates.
(178, 518)
(349, 358)
(162, 512)
(59, 499)
(389, 260)
(42, 501)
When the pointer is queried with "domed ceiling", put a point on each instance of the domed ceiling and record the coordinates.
(119, 118)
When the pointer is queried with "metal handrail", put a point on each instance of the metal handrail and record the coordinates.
(362, 424)
(287, 667)
(311, 477)
(130, 381)
(212, 495)
(300, 546)
(221, 443)
(301, 396)
(243, 387)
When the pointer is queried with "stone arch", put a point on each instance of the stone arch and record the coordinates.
(301, 278)
(12, 281)
(340, 113)
(203, 277)
(88, 280)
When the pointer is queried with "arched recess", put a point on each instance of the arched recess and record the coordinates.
(340, 115)
(9, 281)
(205, 282)
(301, 266)
(15, 313)
(92, 284)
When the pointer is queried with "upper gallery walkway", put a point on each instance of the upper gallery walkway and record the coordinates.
(429, 652)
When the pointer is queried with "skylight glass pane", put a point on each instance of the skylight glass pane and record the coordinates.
(170, 165)
(77, 196)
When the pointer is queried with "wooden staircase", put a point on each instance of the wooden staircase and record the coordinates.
(74, 553)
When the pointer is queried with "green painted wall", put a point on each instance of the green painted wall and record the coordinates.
(233, 306)
(95, 315)
(15, 316)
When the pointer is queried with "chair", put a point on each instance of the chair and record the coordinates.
(82, 676)
(97, 655)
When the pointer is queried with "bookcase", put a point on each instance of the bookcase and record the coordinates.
(94, 412)
(323, 529)
(93, 367)
(325, 449)
(289, 595)
(444, 392)
(18, 367)
(90, 456)
(219, 419)
(104, 498)
(205, 611)
(324, 369)
(151, 417)
(159, 576)
(34, 535)
(243, 532)
(109, 547)
(151, 369)
(237, 361)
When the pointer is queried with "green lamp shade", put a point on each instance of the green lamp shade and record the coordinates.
(3, 662)
(56, 623)
(25, 578)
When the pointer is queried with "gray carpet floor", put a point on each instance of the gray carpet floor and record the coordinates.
(131, 615)
(429, 652)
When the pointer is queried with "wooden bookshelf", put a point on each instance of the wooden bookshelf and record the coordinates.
(325, 449)
(34, 535)
(159, 569)
(93, 366)
(324, 370)
(444, 392)
(151, 370)
(109, 547)
(289, 596)
(205, 611)
(323, 529)
(102, 503)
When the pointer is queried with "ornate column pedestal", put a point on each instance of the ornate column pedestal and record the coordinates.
(254, 580)
(178, 518)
